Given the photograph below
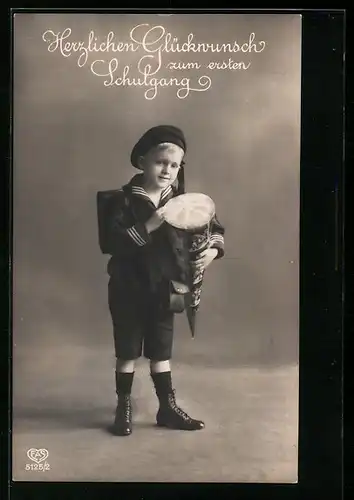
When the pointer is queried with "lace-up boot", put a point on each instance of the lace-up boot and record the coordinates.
(170, 414)
(123, 419)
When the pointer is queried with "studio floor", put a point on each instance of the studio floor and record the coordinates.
(64, 402)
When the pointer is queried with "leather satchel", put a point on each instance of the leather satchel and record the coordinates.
(177, 296)
(106, 202)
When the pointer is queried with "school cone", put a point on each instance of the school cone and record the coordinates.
(191, 315)
(196, 282)
(192, 212)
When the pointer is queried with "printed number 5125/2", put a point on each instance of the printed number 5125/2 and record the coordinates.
(39, 467)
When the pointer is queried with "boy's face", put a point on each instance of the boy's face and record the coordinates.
(161, 165)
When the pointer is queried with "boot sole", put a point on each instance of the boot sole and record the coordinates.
(168, 426)
(120, 433)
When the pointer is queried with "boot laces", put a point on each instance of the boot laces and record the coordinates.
(127, 412)
(177, 409)
(127, 407)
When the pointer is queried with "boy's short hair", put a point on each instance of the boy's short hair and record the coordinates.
(162, 146)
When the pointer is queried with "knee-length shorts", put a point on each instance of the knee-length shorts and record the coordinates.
(140, 325)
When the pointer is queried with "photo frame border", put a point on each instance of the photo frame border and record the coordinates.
(322, 184)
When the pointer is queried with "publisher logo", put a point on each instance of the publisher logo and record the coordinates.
(39, 459)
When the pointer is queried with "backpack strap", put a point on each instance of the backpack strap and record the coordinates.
(126, 193)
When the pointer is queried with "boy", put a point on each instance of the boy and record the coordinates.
(146, 255)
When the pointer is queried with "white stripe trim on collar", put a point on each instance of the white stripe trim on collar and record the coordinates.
(141, 192)
(166, 192)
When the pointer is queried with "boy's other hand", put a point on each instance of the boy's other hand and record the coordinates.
(155, 220)
(205, 258)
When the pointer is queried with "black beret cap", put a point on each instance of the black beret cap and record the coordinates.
(155, 136)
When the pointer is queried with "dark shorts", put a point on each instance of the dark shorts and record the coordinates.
(140, 325)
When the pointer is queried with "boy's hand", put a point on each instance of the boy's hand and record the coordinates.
(205, 258)
(155, 220)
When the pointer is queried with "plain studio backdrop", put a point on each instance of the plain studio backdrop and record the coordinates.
(73, 136)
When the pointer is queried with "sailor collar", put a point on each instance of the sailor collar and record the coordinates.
(139, 191)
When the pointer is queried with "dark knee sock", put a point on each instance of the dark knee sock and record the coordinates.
(163, 385)
(124, 382)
